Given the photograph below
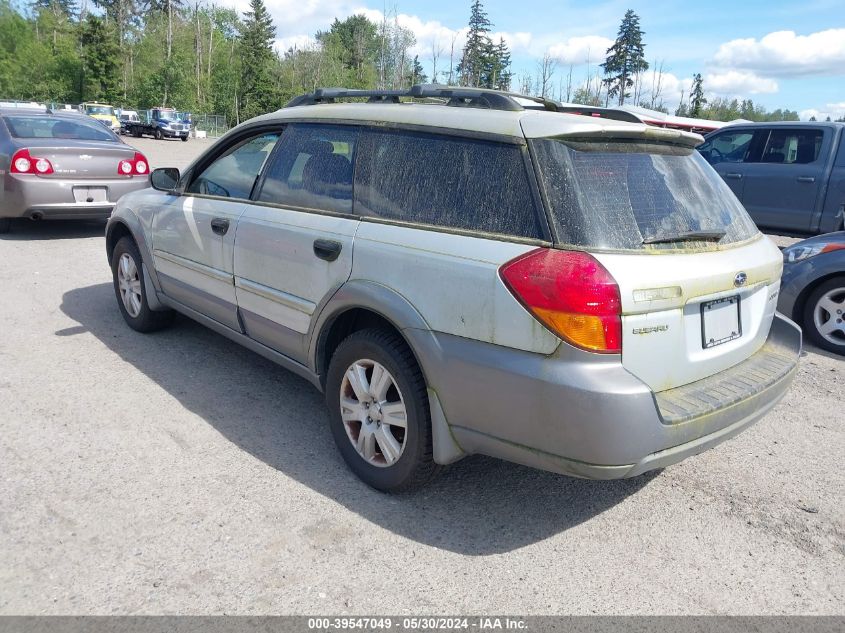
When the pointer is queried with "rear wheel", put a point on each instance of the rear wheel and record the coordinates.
(5, 225)
(378, 404)
(130, 289)
(824, 316)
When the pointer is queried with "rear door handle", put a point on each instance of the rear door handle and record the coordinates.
(327, 249)
(733, 175)
(806, 179)
(220, 226)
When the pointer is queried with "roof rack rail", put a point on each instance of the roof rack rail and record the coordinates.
(454, 95)
(599, 112)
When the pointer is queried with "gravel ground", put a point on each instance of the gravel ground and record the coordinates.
(179, 473)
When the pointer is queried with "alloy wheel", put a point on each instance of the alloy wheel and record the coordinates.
(373, 413)
(829, 316)
(129, 283)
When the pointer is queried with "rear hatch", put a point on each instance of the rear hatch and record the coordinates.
(698, 283)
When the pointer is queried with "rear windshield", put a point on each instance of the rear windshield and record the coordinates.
(100, 110)
(50, 127)
(638, 196)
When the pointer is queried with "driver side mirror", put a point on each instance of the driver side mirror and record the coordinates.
(164, 178)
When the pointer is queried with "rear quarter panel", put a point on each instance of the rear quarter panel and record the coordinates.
(453, 282)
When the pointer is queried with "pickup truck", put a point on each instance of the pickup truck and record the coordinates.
(789, 175)
(160, 123)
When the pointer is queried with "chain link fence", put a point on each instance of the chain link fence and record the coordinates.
(211, 124)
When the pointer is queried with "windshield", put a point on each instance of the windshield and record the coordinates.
(102, 110)
(635, 196)
(54, 127)
(165, 116)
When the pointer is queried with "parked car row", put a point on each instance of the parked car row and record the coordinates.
(479, 275)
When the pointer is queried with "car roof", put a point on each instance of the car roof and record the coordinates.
(528, 123)
(56, 114)
(784, 124)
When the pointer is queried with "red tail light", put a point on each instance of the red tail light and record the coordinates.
(138, 166)
(24, 163)
(570, 293)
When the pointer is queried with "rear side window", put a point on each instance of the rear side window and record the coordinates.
(623, 195)
(445, 181)
(792, 146)
(57, 128)
(312, 168)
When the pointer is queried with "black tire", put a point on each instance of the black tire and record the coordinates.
(158, 134)
(808, 322)
(136, 132)
(184, 139)
(415, 466)
(146, 320)
(5, 225)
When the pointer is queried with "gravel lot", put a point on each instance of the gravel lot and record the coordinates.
(179, 473)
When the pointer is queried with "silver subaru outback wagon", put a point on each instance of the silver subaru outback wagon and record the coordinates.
(475, 273)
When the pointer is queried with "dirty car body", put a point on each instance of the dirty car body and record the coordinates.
(63, 166)
(578, 295)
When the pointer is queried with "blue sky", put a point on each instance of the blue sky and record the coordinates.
(780, 54)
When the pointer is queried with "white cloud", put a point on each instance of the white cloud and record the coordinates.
(738, 83)
(299, 42)
(783, 53)
(832, 110)
(580, 50)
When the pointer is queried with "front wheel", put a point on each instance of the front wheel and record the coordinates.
(130, 289)
(379, 411)
(158, 134)
(184, 139)
(824, 316)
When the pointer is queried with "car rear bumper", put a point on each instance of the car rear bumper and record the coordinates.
(585, 415)
(30, 196)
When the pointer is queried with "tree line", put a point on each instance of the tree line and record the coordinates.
(204, 57)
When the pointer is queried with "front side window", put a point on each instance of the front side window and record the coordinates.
(792, 146)
(727, 147)
(312, 168)
(446, 181)
(57, 128)
(638, 196)
(234, 173)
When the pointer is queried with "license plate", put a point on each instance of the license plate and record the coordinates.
(91, 194)
(720, 321)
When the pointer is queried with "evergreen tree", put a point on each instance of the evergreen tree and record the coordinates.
(500, 71)
(417, 75)
(256, 94)
(476, 55)
(696, 96)
(625, 58)
(100, 55)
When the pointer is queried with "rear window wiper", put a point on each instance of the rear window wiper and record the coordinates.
(689, 236)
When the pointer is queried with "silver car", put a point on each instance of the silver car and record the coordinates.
(479, 275)
(63, 166)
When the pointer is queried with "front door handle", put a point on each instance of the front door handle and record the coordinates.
(806, 179)
(220, 226)
(733, 175)
(327, 249)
